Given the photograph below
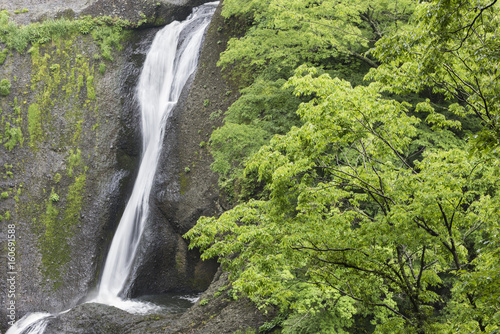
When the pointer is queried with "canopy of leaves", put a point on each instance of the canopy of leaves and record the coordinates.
(377, 215)
(347, 211)
(290, 32)
(263, 110)
(453, 46)
(281, 35)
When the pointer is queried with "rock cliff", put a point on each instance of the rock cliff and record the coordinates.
(70, 146)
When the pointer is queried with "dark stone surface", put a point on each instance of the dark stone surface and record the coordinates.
(185, 187)
(219, 314)
(94, 318)
(110, 153)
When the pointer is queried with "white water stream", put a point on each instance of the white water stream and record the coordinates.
(172, 59)
(31, 323)
(170, 62)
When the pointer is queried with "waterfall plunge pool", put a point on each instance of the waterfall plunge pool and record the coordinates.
(173, 302)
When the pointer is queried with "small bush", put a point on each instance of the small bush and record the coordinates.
(5, 87)
(203, 302)
(14, 136)
(216, 114)
(5, 195)
(232, 294)
(54, 197)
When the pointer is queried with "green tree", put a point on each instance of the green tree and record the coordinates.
(386, 210)
(349, 212)
(281, 35)
(453, 48)
(263, 110)
(290, 32)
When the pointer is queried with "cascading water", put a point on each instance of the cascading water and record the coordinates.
(170, 62)
(165, 73)
(32, 323)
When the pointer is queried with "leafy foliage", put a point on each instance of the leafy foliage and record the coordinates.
(263, 110)
(292, 32)
(106, 31)
(456, 53)
(13, 135)
(376, 212)
(281, 35)
(3, 55)
(267, 106)
(234, 143)
(54, 197)
(345, 205)
(5, 87)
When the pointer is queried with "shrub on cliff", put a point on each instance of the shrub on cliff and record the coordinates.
(5, 87)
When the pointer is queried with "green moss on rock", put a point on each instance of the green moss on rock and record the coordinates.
(59, 221)
(3, 55)
(34, 124)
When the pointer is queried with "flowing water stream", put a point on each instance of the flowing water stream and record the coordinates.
(163, 77)
(171, 60)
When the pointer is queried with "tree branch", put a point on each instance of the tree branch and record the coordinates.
(315, 248)
(363, 58)
(469, 27)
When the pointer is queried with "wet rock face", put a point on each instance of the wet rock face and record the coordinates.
(157, 12)
(91, 318)
(65, 219)
(56, 274)
(218, 314)
(98, 318)
(185, 188)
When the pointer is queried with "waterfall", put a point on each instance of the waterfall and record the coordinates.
(171, 60)
(31, 323)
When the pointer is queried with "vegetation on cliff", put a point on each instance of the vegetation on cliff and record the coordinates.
(374, 205)
(55, 108)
